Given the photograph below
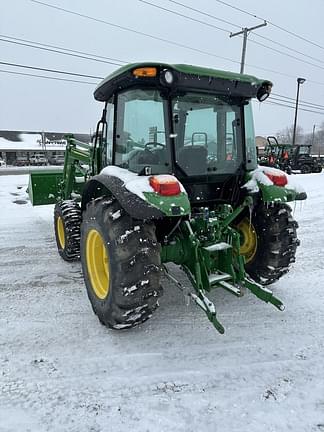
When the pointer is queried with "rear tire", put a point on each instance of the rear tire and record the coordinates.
(274, 230)
(67, 221)
(121, 264)
(305, 169)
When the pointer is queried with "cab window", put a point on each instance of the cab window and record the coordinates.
(140, 132)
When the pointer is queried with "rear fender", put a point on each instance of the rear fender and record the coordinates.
(281, 194)
(258, 182)
(140, 202)
(102, 184)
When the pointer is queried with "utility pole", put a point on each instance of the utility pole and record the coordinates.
(245, 31)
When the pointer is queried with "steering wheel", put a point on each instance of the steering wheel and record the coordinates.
(212, 157)
(154, 144)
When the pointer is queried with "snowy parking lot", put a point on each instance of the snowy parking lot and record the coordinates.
(60, 370)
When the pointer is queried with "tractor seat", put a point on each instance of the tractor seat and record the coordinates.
(147, 157)
(193, 159)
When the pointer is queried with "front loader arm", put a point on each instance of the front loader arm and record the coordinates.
(78, 156)
(49, 186)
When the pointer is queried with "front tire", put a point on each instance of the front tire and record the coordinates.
(121, 264)
(67, 221)
(268, 242)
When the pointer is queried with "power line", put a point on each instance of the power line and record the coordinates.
(184, 16)
(134, 31)
(272, 23)
(286, 47)
(204, 13)
(227, 31)
(278, 100)
(284, 74)
(165, 40)
(237, 26)
(292, 107)
(300, 103)
(62, 48)
(46, 77)
(121, 62)
(294, 98)
(57, 51)
(50, 70)
(287, 55)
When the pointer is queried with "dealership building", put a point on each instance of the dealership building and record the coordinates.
(21, 148)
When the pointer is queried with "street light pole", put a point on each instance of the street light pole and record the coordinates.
(313, 134)
(245, 31)
(299, 81)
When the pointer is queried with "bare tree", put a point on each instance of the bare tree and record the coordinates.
(285, 136)
(319, 139)
(316, 139)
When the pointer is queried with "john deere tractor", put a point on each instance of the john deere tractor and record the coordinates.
(171, 177)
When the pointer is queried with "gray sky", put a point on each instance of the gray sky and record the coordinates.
(34, 104)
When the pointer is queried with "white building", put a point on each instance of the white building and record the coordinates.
(24, 148)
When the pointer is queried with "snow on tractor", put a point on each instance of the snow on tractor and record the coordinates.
(171, 177)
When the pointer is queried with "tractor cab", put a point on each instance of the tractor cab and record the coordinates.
(192, 122)
(302, 152)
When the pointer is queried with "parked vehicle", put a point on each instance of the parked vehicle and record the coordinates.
(38, 159)
(56, 160)
(21, 161)
(290, 158)
(319, 159)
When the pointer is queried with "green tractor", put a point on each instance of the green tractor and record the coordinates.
(171, 177)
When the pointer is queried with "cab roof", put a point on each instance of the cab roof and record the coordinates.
(186, 77)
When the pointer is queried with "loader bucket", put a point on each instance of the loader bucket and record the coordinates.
(44, 186)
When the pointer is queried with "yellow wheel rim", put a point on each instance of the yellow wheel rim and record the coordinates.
(249, 240)
(97, 264)
(60, 232)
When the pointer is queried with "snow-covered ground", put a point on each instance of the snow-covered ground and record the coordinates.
(60, 370)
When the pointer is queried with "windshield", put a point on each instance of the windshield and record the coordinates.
(207, 134)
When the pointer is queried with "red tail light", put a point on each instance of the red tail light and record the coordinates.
(278, 180)
(165, 185)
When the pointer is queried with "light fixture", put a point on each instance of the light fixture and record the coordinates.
(168, 76)
(264, 91)
(299, 81)
(145, 72)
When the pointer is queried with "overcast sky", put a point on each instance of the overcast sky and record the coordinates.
(29, 103)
